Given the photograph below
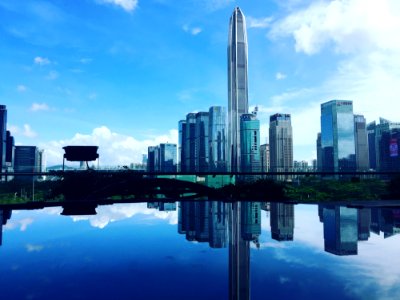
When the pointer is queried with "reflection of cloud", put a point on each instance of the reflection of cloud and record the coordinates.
(21, 224)
(108, 214)
(34, 248)
(283, 279)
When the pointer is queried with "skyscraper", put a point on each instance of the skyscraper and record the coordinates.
(3, 138)
(182, 146)
(361, 143)
(337, 136)
(264, 158)
(201, 142)
(217, 139)
(281, 143)
(237, 85)
(250, 143)
(190, 142)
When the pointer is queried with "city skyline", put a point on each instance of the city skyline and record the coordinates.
(71, 78)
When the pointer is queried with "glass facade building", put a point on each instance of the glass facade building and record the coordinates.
(190, 142)
(237, 85)
(168, 157)
(217, 139)
(201, 142)
(361, 143)
(3, 137)
(182, 146)
(337, 136)
(250, 143)
(371, 132)
(281, 143)
(264, 158)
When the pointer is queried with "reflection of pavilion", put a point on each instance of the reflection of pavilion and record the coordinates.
(5, 215)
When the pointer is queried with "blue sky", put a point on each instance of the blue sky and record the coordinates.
(122, 73)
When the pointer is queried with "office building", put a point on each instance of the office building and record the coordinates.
(385, 128)
(371, 133)
(250, 143)
(217, 139)
(319, 153)
(182, 146)
(388, 149)
(10, 151)
(361, 143)
(264, 158)
(3, 137)
(281, 144)
(190, 144)
(337, 136)
(201, 142)
(237, 85)
(168, 157)
(152, 159)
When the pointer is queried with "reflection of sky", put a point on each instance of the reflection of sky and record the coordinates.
(139, 254)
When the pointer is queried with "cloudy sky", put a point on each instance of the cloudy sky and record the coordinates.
(121, 73)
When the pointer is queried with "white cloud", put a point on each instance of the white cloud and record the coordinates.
(192, 30)
(85, 60)
(41, 61)
(34, 248)
(108, 214)
(21, 88)
(26, 131)
(280, 76)
(52, 75)
(258, 22)
(217, 4)
(127, 5)
(92, 96)
(351, 26)
(39, 107)
(114, 149)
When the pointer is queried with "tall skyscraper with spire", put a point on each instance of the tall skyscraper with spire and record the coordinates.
(237, 85)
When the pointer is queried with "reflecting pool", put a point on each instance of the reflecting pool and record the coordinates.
(202, 250)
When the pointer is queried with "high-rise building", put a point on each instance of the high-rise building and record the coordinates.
(361, 143)
(190, 144)
(250, 143)
(10, 151)
(385, 127)
(337, 136)
(217, 139)
(319, 153)
(237, 85)
(201, 142)
(281, 144)
(152, 159)
(371, 132)
(168, 156)
(182, 146)
(27, 160)
(265, 158)
(3, 137)
(388, 149)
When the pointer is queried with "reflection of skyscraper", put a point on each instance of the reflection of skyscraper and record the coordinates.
(237, 85)
(5, 214)
(201, 221)
(364, 223)
(281, 143)
(217, 139)
(251, 221)
(340, 230)
(282, 221)
(217, 224)
(337, 136)
(239, 256)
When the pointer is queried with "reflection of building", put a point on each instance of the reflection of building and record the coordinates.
(364, 223)
(386, 220)
(237, 85)
(251, 221)
(340, 230)
(249, 143)
(361, 143)
(217, 139)
(337, 136)
(239, 255)
(217, 224)
(5, 215)
(281, 143)
(282, 221)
